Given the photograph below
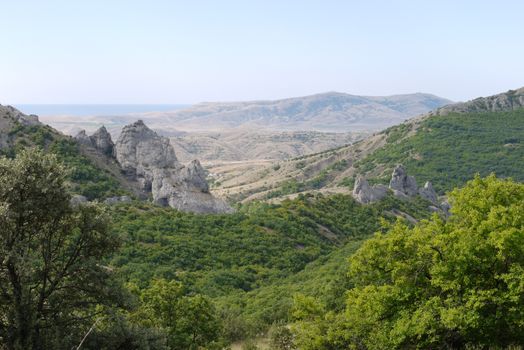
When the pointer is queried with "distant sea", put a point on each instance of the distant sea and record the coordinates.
(93, 110)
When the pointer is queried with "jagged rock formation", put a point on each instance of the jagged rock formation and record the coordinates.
(507, 101)
(364, 193)
(150, 159)
(401, 184)
(100, 140)
(16, 115)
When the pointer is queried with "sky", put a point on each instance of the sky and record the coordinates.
(154, 51)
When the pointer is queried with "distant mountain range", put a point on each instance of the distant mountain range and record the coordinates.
(332, 112)
(236, 131)
(446, 146)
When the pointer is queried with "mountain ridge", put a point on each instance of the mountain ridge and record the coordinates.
(474, 133)
(331, 111)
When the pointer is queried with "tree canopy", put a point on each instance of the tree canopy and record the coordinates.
(441, 284)
(52, 282)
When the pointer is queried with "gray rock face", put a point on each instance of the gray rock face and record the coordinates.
(139, 150)
(427, 192)
(446, 207)
(507, 101)
(82, 138)
(116, 200)
(100, 140)
(20, 117)
(402, 186)
(401, 182)
(150, 159)
(363, 193)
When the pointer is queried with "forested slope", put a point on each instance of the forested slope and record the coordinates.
(243, 260)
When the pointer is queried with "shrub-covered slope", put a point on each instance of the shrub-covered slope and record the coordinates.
(449, 150)
(90, 174)
(244, 258)
(447, 147)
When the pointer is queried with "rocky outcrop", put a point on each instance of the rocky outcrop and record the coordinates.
(507, 101)
(11, 118)
(100, 140)
(83, 138)
(16, 115)
(363, 193)
(401, 183)
(117, 199)
(150, 159)
(427, 192)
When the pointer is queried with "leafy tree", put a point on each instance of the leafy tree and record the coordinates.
(190, 322)
(281, 338)
(443, 284)
(52, 284)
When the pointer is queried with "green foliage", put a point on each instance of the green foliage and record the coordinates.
(248, 261)
(348, 181)
(249, 345)
(441, 284)
(300, 165)
(190, 322)
(281, 338)
(84, 177)
(294, 186)
(448, 150)
(397, 132)
(51, 280)
(87, 179)
(288, 187)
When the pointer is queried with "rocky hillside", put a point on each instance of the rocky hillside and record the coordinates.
(506, 101)
(446, 147)
(333, 112)
(11, 118)
(140, 164)
(249, 145)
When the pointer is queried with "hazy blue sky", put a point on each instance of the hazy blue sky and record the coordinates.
(189, 51)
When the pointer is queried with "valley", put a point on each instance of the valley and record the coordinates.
(261, 175)
(293, 217)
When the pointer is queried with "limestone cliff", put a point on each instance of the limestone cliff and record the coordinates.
(150, 159)
(401, 185)
(100, 140)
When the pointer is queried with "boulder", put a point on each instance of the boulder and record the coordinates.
(446, 207)
(117, 199)
(363, 193)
